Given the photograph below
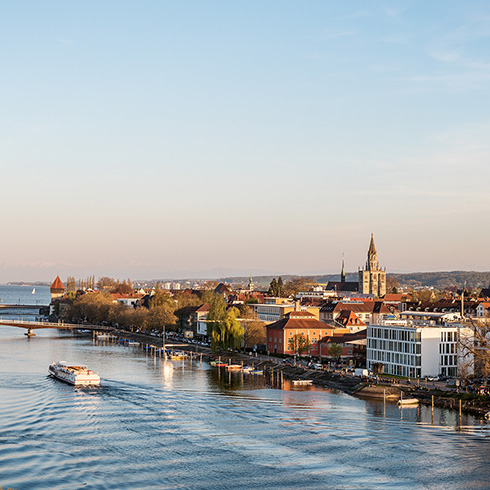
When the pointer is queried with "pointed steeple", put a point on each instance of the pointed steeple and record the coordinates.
(342, 272)
(372, 258)
(372, 248)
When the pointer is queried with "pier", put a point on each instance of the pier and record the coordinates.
(21, 307)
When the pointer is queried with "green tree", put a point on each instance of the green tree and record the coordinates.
(273, 288)
(161, 298)
(224, 329)
(335, 351)
(280, 287)
(299, 344)
(296, 284)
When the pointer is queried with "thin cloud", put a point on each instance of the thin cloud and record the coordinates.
(325, 36)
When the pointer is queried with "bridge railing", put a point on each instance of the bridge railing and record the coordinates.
(43, 324)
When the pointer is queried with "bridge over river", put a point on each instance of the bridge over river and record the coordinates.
(33, 325)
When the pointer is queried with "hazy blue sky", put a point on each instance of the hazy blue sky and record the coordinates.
(170, 138)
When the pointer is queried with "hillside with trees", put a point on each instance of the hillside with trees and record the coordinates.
(438, 280)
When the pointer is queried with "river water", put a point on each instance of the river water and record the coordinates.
(156, 424)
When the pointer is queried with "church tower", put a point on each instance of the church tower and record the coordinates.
(342, 272)
(372, 279)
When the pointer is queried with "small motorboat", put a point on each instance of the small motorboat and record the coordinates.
(408, 401)
(302, 382)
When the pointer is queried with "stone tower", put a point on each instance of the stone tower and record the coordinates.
(57, 289)
(372, 279)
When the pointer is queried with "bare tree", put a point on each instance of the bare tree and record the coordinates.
(474, 346)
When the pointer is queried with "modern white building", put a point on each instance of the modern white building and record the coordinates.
(429, 318)
(414, 351)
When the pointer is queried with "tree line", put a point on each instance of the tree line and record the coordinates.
(162, 311)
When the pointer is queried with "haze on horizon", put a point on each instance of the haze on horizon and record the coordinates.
(170, 139)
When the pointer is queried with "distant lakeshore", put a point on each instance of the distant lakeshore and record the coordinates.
(439, 280)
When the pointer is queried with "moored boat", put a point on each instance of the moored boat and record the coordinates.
(408, 401)
(302, 382)
(74, 374)
(178, 356)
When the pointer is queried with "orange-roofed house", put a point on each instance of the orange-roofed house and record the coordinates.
(296, 323)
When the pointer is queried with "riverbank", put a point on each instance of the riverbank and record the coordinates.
(277, 371)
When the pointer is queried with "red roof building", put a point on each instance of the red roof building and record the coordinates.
(57, 289)
(296, 323)
(352, 344)
(57, 286)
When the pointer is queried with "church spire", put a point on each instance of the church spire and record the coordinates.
(372, 248)
(342, 272)
(372, 261)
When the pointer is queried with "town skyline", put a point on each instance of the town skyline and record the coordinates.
(182, 140)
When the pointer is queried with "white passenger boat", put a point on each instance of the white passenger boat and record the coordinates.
(74, 374)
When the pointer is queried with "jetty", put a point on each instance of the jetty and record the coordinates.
(21, 307)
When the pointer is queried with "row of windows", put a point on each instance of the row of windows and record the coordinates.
(394, 357)
(449, 336)
(397, 370)
(449, 360)
(394, 334)
(449, 371)
(306, 334)
(393, 346)
(447, 348)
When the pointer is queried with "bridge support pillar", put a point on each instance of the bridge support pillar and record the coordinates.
(30, 333)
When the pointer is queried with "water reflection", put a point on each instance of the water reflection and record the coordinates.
(157, 423)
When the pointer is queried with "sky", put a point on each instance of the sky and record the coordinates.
(170, 139)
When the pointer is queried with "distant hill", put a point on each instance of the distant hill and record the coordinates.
(441, 280)
(438, 280)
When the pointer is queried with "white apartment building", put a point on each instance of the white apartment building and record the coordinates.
(270, 313)
(414, 351)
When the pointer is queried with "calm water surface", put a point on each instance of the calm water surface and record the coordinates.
(158, 424)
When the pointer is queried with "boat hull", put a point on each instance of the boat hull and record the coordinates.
(408, 401)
